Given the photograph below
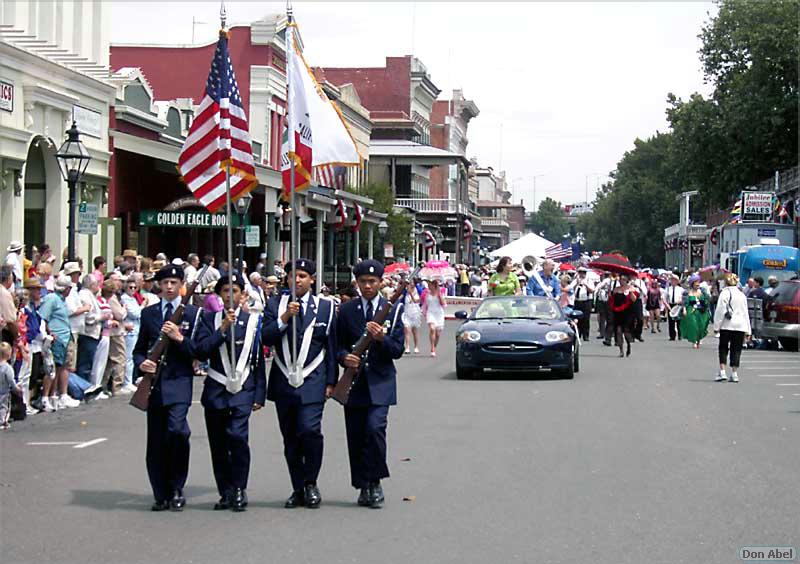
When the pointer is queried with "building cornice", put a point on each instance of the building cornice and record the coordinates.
(140, 118)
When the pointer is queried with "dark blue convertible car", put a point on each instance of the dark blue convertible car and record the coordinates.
(517, 333)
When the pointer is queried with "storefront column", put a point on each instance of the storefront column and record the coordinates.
(356, 251)
(271, 241)
(320, 251)
(370, 241)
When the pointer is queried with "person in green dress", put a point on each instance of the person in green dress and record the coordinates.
(504, 282)
(696, 316)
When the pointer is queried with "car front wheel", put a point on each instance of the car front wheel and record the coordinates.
(465, 373)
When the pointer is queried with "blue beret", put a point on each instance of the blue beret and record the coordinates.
(306, 265)
(169, 271)
(368, 267)
(235, 278)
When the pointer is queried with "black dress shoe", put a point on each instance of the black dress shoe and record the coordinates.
(363, 497)
(178, 502)
(607, 343)
(160, 506)
(297, 499)
(238, 500)
(376, 496)
(312, 495)
(222, 504)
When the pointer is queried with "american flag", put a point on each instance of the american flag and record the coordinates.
(218, 137)
(331, 176)
(559, 251)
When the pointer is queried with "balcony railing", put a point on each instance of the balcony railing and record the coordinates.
(433, 205)
(493, 222)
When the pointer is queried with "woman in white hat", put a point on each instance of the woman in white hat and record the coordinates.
(14, 260)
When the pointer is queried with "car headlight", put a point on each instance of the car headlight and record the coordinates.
(469, 337)
(556, 337)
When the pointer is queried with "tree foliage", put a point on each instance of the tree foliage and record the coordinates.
(748, 128)
(631, 212)
(400, 224)
(549, 220)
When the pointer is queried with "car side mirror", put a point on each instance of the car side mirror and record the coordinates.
(461, 314)
(576, 314)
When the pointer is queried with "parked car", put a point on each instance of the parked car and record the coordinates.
(782, 315)
(517, 333)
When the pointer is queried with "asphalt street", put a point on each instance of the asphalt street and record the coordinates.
(637, 460)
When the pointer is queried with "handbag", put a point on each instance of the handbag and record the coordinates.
(728, 310)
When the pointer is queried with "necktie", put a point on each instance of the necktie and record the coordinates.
(673, 296)
(167, 312)
(370, 311)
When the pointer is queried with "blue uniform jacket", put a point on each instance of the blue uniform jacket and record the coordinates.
(174, 384)
(376, 384)
(323, 338)
(207, 342)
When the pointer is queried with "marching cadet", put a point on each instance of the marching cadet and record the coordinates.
(231, 393)
(300, 396)
(167, 429)
(375, 388)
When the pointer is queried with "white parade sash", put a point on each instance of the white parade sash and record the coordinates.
(547, 289)
(297, 378)
(234, 382)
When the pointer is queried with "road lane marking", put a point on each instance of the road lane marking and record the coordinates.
(787, 384)
(90, 443)
(55, 443)
(779, 376)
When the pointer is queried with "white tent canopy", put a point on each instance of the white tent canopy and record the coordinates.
(529, 244)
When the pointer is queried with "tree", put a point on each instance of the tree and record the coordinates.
(749, 126)
(550, 220)
(400, 224)
(631, 212)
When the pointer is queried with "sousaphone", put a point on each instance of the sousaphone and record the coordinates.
(529, 265)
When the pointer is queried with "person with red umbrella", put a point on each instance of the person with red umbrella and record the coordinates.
(623, 305)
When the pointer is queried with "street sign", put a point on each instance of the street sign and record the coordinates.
(6, 96)
(767, 232)
(756, 206)
(87, 218)
(252, 236)
(196, 219)
(388, 250)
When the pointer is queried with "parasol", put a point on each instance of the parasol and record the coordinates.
(565, 266)
(612, 262)
(437, 269)
(397, 267)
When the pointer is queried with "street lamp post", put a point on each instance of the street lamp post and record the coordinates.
(383, 229)
(242, 205)
(73, 158)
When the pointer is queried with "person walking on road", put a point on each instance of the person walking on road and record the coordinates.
(583, 293)
(412, 317)
(732, 321)
(300, 395)
(167, 428)
(674, 301)
(231, 393)
(655, 301)
(375, 390)
(623, 305)
(696, 316)
(433, 304)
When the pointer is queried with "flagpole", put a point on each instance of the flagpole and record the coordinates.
(231, 305)
(292, 200)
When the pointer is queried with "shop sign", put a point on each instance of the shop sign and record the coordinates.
(6, 96)
(756, 205)
(88, 121)
(773, 263)
(188, 219)
(87, 218)
(252, 236)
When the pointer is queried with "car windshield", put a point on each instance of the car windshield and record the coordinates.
(785, 292)
(781, 275)
(519, 307)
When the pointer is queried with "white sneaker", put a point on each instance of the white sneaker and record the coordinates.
(734, 377)
(47, 407)
(721, 378)
(124, 391)
(91, 389)
(67, 402)
(131, 387)
(101, 395)
(54, 403)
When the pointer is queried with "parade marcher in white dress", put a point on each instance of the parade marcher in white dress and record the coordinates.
(434, 302)
(412, 317)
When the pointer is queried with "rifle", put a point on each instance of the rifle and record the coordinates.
(141, 397)
(341, 391)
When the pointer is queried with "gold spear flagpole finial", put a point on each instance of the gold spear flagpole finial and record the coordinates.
(222, 15)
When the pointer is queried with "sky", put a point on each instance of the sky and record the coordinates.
(563, 89)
